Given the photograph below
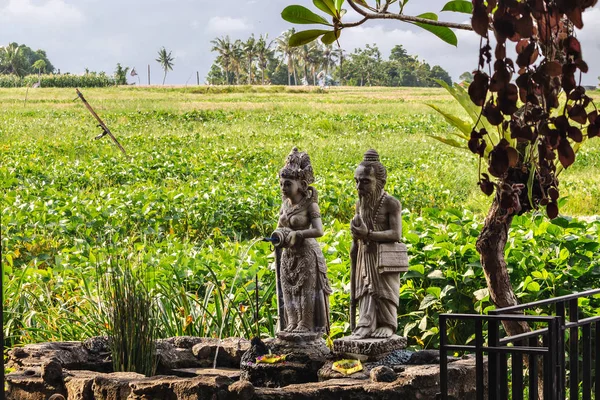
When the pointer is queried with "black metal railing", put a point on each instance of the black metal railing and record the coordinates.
(551, 366)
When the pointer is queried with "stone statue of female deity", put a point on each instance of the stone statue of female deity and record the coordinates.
(303, 276)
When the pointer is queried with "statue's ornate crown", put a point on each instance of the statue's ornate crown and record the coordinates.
(371, 155)
(297, 166)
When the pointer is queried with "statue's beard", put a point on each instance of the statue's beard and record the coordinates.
(367, 205)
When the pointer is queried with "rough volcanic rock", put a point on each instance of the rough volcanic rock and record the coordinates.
(52, 373)
(371, 349)
(303, 361)
(243, 390)
(171, 357)
(230, 351)
(97, 344)
(70, 355)
(29, 385)
(382, 374)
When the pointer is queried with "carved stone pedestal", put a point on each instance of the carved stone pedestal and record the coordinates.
(304, 357)
(369, 349)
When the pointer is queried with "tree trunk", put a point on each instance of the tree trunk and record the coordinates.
(165, 77)
(490, 245)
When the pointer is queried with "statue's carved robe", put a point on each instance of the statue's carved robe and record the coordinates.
(377, 293)
(304, 280)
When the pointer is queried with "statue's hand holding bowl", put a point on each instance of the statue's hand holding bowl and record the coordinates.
(358, 228)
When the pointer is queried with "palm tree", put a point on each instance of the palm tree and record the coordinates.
(39, 65)
(250, 54)
(328, 58)
(237, 56)
(339, 54)
(263, 53)
(309, 56)
(166, 61)
(223, 46)
(12, 60)
(288, 52)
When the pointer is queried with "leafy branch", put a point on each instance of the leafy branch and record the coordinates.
(379, 10)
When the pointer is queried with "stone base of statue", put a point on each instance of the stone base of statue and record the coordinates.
(370, 349)
(304, 354)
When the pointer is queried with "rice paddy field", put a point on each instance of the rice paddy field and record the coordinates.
(200, 185)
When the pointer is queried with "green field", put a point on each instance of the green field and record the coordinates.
(201, 183)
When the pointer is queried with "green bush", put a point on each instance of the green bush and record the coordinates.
(58, 81)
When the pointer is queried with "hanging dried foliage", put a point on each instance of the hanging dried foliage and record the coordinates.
(536, 132)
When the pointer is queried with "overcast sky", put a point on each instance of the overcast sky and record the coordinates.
(98, 34)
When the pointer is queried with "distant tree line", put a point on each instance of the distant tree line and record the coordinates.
(20, 60)
(264, 61)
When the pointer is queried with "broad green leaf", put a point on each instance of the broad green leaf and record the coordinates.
(409, 327)
(533, 287)
(326, 6)
(481, 294)
(338, 5)
(330, 37)
(304, 37)
(442, 32)
(428, 301)
(423, 323)
(436, 274)
(302, 15)
(434, 290)
(463, 126)
(460, 6)
(449, 141)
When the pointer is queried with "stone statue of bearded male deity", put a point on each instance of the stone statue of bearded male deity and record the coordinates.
(377, 255)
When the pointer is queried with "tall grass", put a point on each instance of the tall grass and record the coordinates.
(132, 324)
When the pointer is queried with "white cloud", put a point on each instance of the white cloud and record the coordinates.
(227, 25)
(51, 12)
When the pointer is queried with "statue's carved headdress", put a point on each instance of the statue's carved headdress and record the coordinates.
(297, 166)
(371, 160)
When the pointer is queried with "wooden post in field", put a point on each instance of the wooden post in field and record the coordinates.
(198, 78)
(148, 74)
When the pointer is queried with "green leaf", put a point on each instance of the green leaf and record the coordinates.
(442, 32)
(408, 327)
(533, 287)
(330, 37)
(302, 15)
(455, 121)
(460, 6)
(428, 301)
(326, 6)
(304, 37)
(481, 294)
(338, 5)
(449, 141)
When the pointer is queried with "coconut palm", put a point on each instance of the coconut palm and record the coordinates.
(288, 52)
(310, 59)
(341, 56)
(224, 47)
(40, 65)
(12, 60)
(166, 61)
(263, 54)
(249, 48)
(237, 59)
(329, 56)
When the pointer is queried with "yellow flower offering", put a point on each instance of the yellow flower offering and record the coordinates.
(270, 358)
(347, 367)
